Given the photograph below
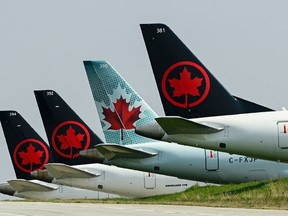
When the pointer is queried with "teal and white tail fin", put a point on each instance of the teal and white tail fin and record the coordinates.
(119, 107)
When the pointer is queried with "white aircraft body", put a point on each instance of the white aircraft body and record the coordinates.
(93, 176)
(261, 135)
(28, 151)
(111, 179)
(193, 163)
(35, 189)
(160, 157)
(189, 90)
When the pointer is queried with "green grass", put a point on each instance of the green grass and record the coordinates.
(265, 194)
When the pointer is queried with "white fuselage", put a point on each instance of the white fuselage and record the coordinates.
(65, 192)
(202, 165)
(59, 192)
(260, 135)
(125, 182)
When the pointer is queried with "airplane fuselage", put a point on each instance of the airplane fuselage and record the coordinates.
(259, 135)
(125, 182)
(58, 192)
(202, 165)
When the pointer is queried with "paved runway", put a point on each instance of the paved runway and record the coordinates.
(84, 209)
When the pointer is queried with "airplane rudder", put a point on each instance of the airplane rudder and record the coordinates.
(187, 88)
(27, 150)
(114, 98)
(66, 131)
(169, 57)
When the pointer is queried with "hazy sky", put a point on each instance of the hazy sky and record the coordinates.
(43, 43)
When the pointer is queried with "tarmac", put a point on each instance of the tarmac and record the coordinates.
(19, 208)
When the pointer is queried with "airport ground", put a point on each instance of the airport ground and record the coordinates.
(74, 209)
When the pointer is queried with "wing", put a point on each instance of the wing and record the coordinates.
(115, 151)
(60, 171)
(22, 185)
(178, 125)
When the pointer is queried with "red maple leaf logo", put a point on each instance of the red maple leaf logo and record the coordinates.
(121, 117)
(71, 140)
(31, 156)
(185, 85)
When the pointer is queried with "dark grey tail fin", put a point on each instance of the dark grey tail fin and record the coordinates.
(186, 86)
(28, 151)
(66, 131)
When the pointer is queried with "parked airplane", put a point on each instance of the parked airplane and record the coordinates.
(261, 135)
(187, 88)
(121, 109)
(65, 128)
(28, 152)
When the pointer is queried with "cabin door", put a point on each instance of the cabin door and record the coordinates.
(149, 180)
(283, 134)
(211, 160)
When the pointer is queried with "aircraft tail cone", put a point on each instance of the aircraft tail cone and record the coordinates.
(92, 154)
(153, 131)
(42, 175)
(5, 188)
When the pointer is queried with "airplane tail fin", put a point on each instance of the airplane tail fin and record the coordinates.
(66, 131)
(186, 86)
(250, 107)
(28, 151)
(119, 107)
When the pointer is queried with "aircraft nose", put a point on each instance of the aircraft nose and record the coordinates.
(5, 188)
(153, 131)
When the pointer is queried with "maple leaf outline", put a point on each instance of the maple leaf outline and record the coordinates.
(205, 88)
(60, 129)
(113, 98)
(123, 116)
(185, 85)
(31, 156)
(71, 140)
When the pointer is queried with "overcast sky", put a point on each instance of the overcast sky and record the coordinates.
(43, 43)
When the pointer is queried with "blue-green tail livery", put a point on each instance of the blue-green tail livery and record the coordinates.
(119, 107)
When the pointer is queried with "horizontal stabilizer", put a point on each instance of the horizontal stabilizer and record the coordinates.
(61, 171)
(114, 151)
(250, 107)
(22, 185)
(178, 125)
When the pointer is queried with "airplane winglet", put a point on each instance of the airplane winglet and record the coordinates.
(60, 171)
(114, 151)
(178, 125)
(22, 185)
